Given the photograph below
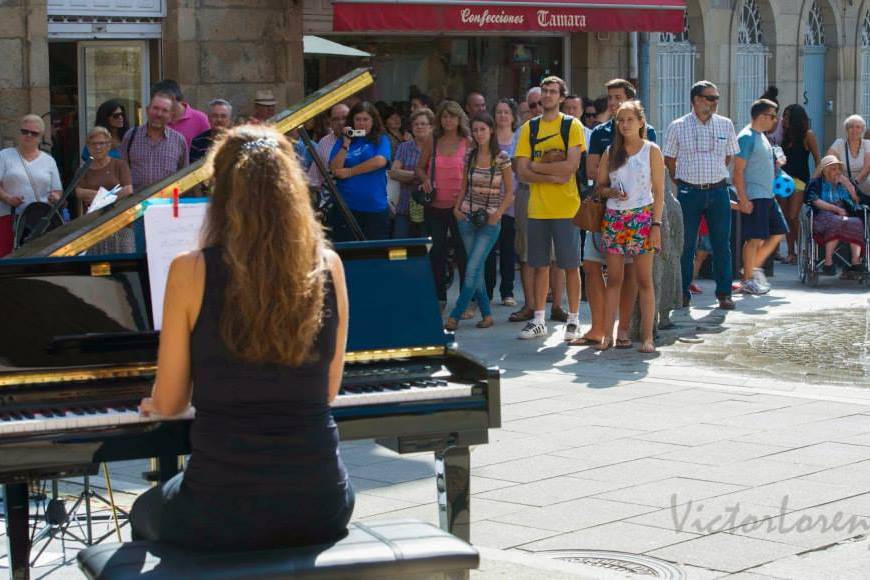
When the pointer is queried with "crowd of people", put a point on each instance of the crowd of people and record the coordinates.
(498, 189)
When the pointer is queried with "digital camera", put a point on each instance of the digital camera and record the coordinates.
(478, 217)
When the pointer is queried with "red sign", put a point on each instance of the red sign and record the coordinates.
(642, 16)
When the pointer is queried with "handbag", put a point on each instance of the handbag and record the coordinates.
(591, 213)
(425, 198)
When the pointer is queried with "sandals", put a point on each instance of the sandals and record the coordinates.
(521, 315)
(623, 343)
(451, 325)
(485, 322)
(585, 341)
(605, 344)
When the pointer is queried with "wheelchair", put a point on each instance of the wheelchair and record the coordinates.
(811, 252)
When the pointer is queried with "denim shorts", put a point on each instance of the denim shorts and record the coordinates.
(561, 235)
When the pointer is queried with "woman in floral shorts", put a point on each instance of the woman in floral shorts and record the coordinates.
(632, 176)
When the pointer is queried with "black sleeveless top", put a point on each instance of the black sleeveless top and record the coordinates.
(797, 162)
(260, 428)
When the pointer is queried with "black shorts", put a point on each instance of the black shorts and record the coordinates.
(765, 220)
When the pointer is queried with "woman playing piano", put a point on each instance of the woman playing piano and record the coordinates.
(253, 337)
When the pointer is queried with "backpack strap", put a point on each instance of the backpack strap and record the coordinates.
(130, 142)
(534, 126)
(565, 129)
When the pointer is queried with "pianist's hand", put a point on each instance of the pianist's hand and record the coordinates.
(146, 407)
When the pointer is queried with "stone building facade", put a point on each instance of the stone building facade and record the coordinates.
(61, 58)
(817, 52)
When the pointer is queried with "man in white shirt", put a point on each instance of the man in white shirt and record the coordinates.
(337, 122)
(698, 150)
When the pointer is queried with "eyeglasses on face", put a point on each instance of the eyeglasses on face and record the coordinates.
(29, 133)
(99, 143)
(587, 115)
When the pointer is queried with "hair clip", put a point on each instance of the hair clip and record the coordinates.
(260, 144)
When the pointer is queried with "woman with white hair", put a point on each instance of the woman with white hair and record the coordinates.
(26, 175)
(854, 153)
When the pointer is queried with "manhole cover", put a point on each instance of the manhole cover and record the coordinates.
(623, 562)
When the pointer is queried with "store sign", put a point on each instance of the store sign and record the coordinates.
(456, 17)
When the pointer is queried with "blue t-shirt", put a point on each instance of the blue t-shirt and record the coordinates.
(602, 137)
(366, 191)
(759, 171)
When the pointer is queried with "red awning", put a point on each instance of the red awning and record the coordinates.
(508, 15)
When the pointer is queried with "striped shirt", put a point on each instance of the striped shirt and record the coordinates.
(324, 148)
(485, 186)
(701, 148)
(150, 161)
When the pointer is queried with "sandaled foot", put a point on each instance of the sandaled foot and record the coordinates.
(647, 346)
(451, 324)
(486, 322)
(605, 344)
(623, 343)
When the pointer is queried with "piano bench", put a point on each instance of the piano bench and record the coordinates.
(379, 549)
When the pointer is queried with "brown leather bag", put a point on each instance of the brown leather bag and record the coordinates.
(590, 214)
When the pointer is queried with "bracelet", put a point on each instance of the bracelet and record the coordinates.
(657, 223)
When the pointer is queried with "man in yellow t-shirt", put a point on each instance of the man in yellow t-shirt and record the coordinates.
(549, 166)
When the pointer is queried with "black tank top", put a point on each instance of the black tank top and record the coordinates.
(260, 428)
(797, 162)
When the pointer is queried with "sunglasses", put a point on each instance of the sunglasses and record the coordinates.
(29, 133)
(117, 115)
(587, 115)
(711, 98)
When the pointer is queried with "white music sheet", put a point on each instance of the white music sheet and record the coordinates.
(166, 237)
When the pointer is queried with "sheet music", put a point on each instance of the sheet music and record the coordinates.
(166, 237)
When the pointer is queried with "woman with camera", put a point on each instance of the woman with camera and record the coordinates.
(487, 192)
(443, 180)
(359, 162)
(631, 175)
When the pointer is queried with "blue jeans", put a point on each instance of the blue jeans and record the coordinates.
(716, 205)
(478, 242)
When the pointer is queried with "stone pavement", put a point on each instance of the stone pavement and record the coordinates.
(727, 452)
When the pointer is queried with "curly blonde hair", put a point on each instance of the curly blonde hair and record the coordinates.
(261, 216)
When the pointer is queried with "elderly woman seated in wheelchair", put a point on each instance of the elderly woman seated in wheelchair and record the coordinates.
(832, 217)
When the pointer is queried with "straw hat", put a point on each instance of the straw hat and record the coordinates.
(827, 161)
(266, 98)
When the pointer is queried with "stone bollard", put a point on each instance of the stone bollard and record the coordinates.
(667, 277)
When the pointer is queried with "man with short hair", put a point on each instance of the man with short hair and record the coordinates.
(220, 119)
(264, 106)
(549, 165)
(698, 150)
(337, 122)
(154, 151)
(475, 103)
(763, 225)
(186, 120)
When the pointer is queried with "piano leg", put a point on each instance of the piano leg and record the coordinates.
(453, 478)
(15, 503)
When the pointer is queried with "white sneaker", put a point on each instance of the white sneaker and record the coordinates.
(533, 329)
(572, 331)
(760, 279)
(752, 287)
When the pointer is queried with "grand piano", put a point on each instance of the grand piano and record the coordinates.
(80, 350)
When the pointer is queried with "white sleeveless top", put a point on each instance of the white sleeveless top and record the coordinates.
(634, 177)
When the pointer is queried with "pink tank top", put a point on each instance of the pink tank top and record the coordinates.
(449, 173)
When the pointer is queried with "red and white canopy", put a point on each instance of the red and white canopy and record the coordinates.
(508, 15)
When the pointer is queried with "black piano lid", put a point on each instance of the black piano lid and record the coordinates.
(62, 313)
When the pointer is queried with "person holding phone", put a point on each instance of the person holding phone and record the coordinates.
(359, 162)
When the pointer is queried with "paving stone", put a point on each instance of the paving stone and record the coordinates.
(502, 536)
(396, 470)
(698, 434)
(418, 491)
(483, 455)
(705, 516)
(530, 468)
(721, 453)
(666, 492)
(370, 505)
(725, 552)
(617, 451)
(846, 561)
(796, 493)
(854, 474)
(618, 536)
(809, 528)
(550, 491)
(573, 515)
(759, 471)
(769, 419)
(641, 470)
(825, 454)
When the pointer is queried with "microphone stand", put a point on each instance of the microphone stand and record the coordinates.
(43, 224)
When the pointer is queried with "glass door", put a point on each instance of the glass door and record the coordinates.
(112, 70)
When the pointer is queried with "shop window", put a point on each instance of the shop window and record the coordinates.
(675, 70)
(751, 78)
